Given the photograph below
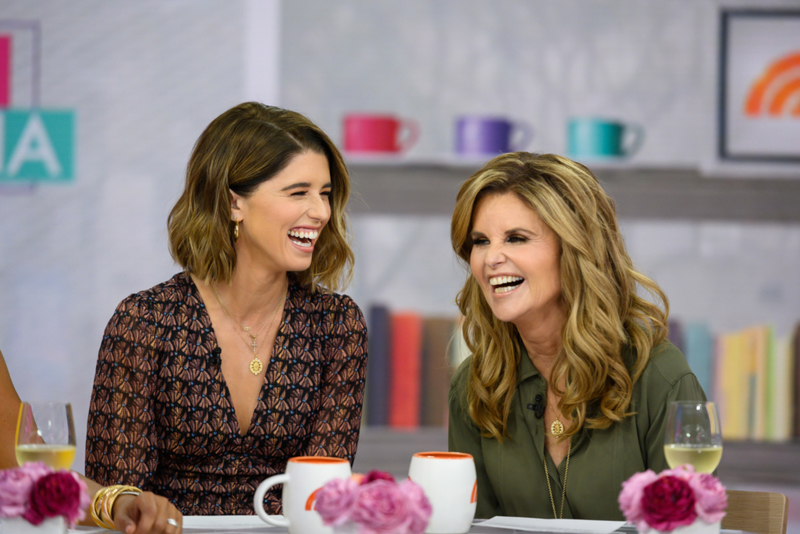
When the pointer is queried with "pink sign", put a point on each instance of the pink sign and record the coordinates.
(5, 71)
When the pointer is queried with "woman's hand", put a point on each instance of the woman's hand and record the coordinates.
(146, 513)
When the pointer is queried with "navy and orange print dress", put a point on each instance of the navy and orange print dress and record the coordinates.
(161, 418)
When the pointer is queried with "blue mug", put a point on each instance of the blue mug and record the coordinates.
(593, 138)
(490, 135)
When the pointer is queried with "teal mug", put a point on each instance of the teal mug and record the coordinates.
(593, 138)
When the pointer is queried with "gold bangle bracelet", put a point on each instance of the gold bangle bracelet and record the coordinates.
(95, 508)
(102, 504)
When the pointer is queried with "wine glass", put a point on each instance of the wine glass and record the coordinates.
(693, 435)
(45, 433)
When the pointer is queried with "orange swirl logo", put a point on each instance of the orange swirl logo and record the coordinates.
(776, 91)
(311, 502)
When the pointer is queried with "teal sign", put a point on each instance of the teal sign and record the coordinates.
(37, 145)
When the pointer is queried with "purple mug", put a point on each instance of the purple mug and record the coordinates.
(490, 135)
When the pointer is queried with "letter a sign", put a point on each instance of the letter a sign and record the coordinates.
(36, 145)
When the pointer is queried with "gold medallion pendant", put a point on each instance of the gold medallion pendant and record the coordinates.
(556, 427)
(256, 366)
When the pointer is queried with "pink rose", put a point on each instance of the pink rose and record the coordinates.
(420, 508)
(711, 500)
(16, 485)
(382, 508)
(335, 501)
(668, 503)
(630, 498)
(57, 494)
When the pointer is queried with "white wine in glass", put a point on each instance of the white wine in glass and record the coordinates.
(693, 435)
(46, 433)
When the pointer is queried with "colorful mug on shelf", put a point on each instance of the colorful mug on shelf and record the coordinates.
(451, 485)
(304, 476)
(594, 138)
(373, 133)
(477, 135)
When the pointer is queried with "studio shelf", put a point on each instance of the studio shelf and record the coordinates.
(428, 186)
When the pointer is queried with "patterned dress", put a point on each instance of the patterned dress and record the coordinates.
(161, 417)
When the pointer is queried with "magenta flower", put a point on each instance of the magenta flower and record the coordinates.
(711, 500)
(335, 501)
(685, 472)
(630, 498)
(57, 494)
(668, 503)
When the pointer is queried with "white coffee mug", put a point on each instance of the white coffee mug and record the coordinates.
(304, 476)
(450, 482)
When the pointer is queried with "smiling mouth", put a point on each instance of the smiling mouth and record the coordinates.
(303, 238)
(504, 284)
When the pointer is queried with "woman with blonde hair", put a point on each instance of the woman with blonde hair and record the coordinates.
(208, 383)
(566, 391)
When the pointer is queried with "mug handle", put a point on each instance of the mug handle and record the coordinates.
(411, 127)
(527, 136)
(635, 139)
(258, 501)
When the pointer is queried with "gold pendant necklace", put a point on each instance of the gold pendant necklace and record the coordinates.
(564, 488)
(256, 365)
(557, 427)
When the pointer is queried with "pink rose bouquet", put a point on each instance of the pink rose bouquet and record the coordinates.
(376, 503)
(36, 492)
(672, 499)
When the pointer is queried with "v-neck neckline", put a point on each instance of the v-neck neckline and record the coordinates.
(237, 427)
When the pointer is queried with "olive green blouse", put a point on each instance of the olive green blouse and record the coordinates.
(511, 475)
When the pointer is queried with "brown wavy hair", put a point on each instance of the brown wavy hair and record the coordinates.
(598, 285)
(242, 148)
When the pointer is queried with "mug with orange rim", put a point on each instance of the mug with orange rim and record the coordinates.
(451, 485)
(304, 476)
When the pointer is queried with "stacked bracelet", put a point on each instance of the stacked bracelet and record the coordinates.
(103, 504)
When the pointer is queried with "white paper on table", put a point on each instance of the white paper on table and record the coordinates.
(220, 523)
(204, 524)
(572, 526)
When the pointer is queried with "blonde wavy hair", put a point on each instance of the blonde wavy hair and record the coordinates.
(599, 287)
(242, 148)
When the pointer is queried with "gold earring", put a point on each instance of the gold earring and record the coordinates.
(235, 231)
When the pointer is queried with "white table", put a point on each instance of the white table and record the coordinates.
(253, 525)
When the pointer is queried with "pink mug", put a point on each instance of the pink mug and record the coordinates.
(366, 132)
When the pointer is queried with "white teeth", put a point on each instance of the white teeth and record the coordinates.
(505, 289)
(500, 280)
(312, 234)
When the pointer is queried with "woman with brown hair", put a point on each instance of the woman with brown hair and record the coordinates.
(208, 383)
(566, 391)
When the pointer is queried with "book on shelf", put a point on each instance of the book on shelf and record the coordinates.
(378, 366)
(437, 335)
(406, 365)
(698, 347)
(755, 384)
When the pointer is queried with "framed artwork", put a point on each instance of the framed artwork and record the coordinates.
(759, 86)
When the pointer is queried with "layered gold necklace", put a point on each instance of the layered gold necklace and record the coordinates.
(556, 429)
(256, 365)
(564, 487)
